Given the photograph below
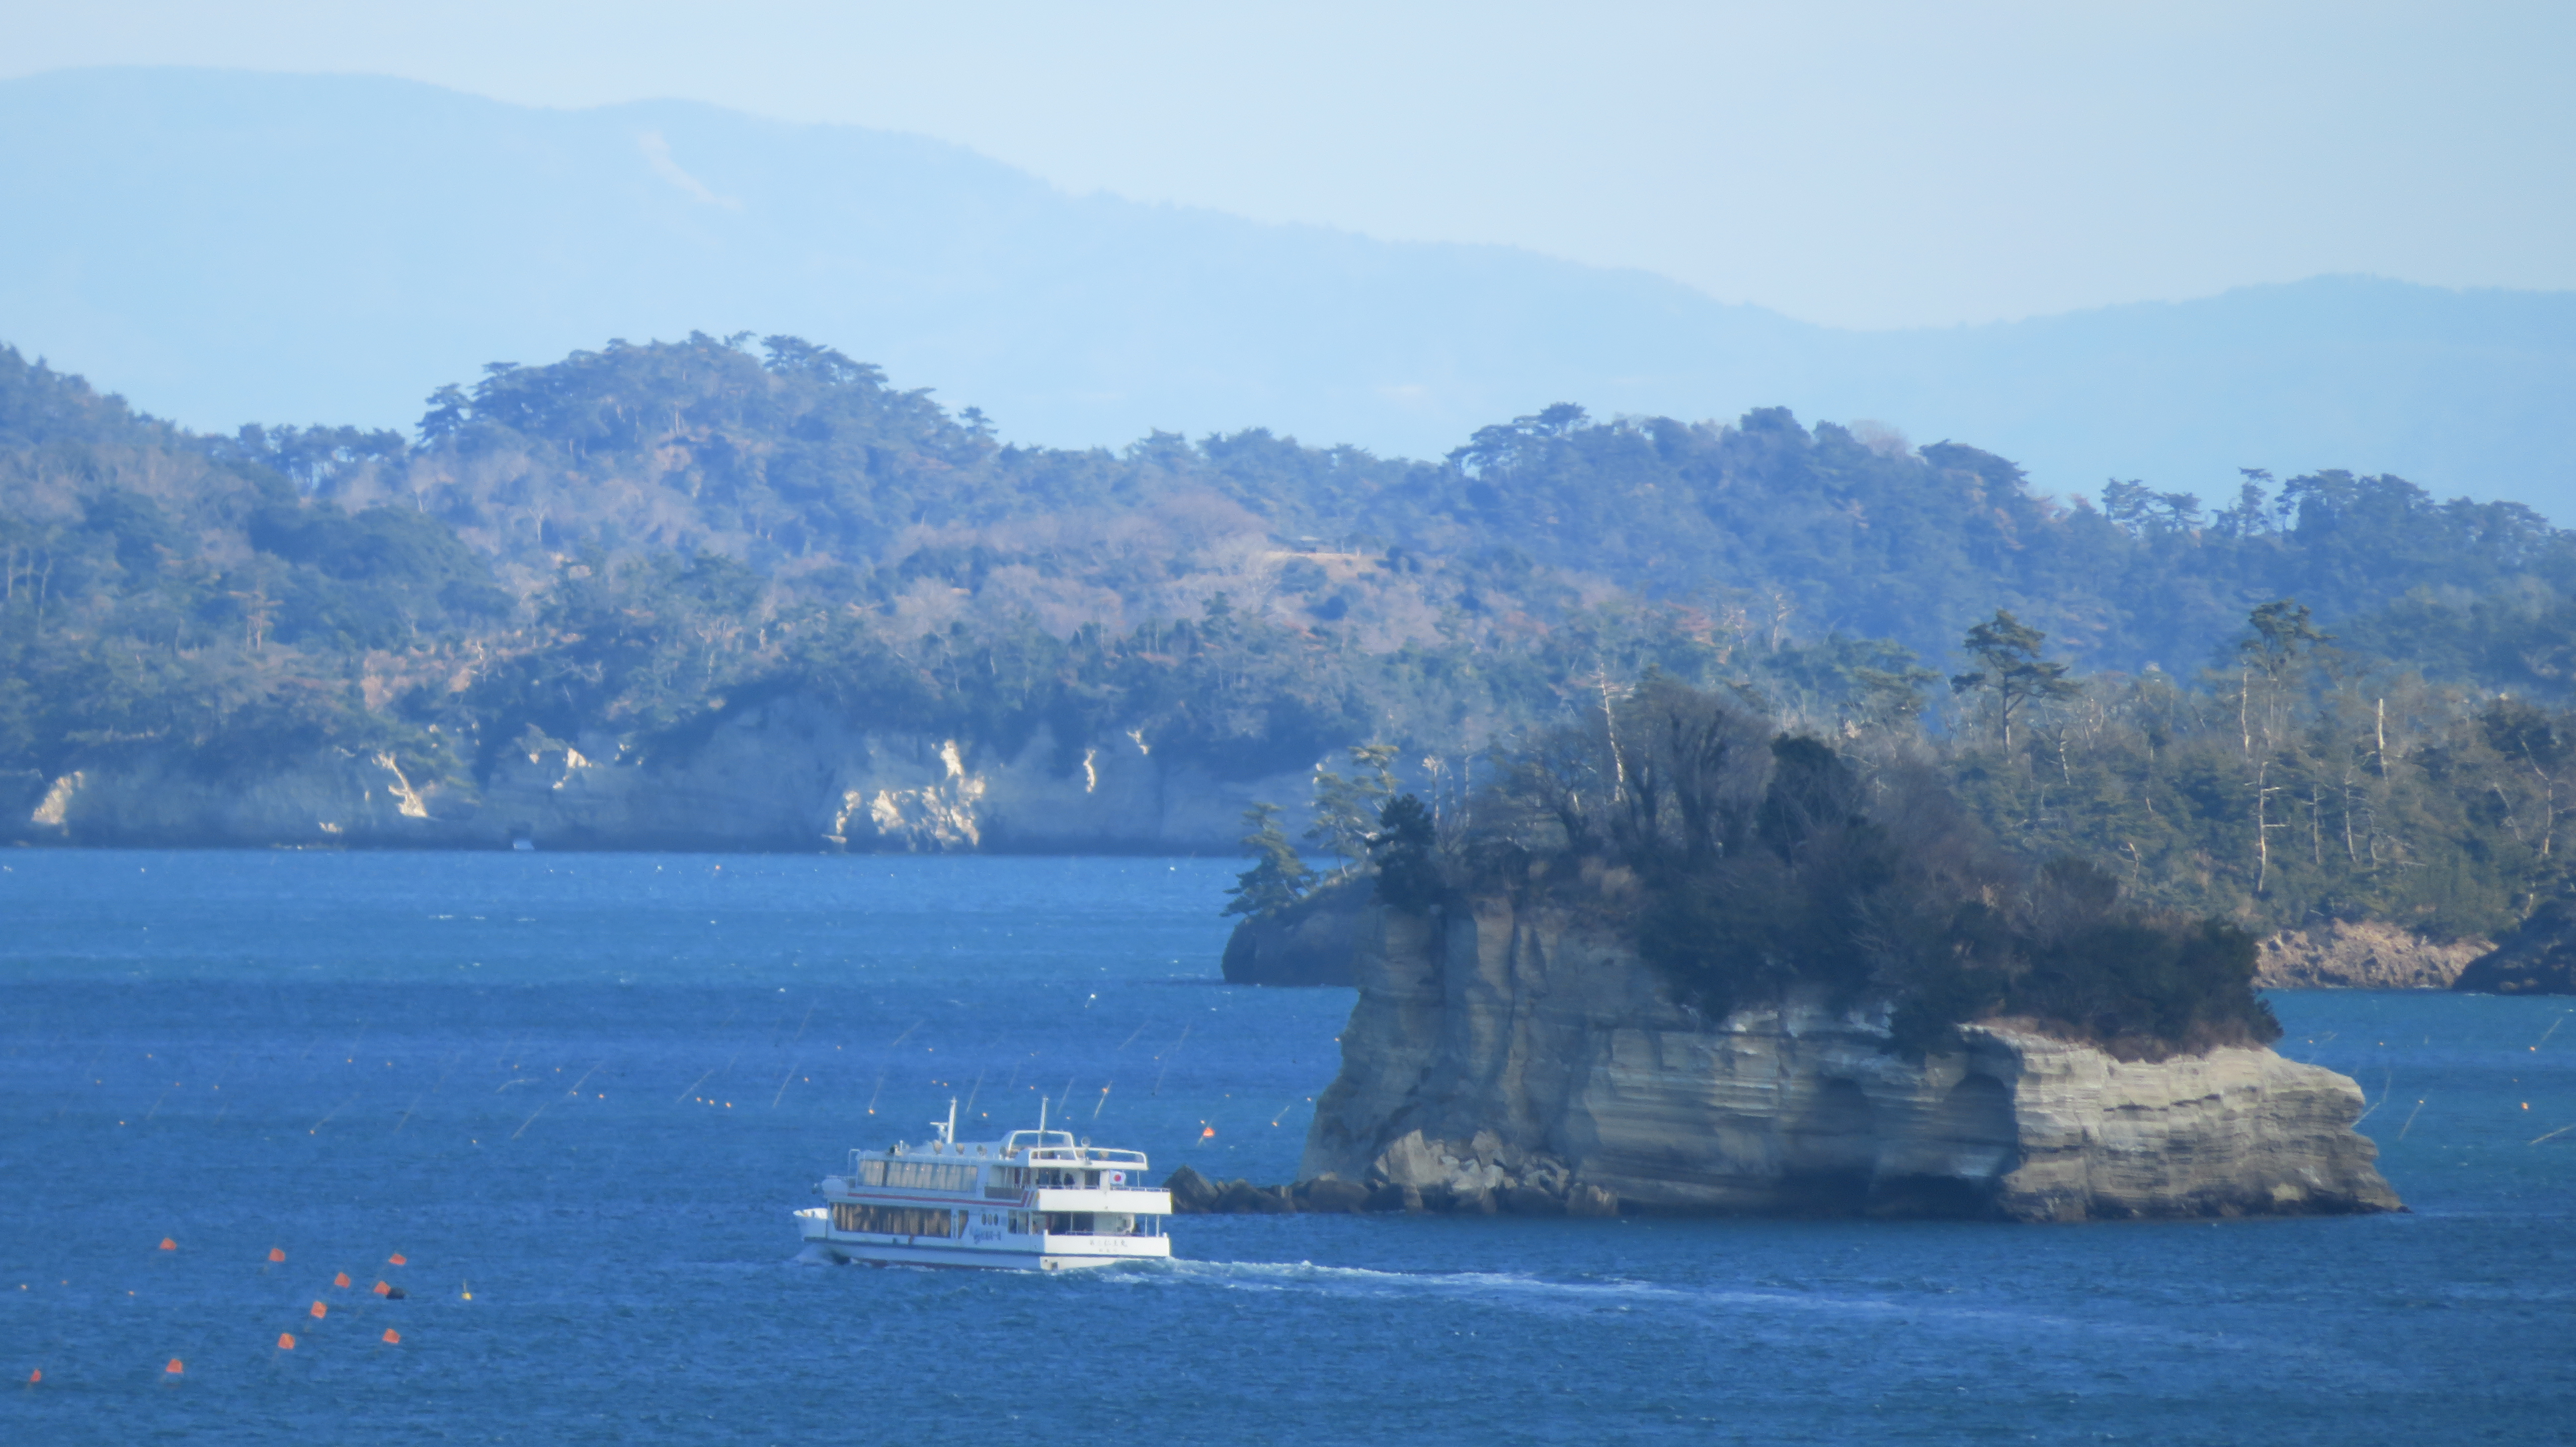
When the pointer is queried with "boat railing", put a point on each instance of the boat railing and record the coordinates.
(1083, 1156)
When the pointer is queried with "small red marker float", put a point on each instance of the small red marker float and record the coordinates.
(342, 1279)
(169, 1245)
(319, 1311)
(176, 1368)
(392, 1337)
(286, 1341)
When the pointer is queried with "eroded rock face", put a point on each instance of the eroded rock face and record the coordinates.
(1500, 1055)
(784, 774)
(2362, 955)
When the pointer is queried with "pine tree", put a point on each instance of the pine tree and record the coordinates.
(1277, 878)
(2009, 666)
(1404, 849)
(1346, 809)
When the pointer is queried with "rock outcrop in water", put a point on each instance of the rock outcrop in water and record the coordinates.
(1309, 943)
(1524, 1059)
(2537, 958)
(786, 774)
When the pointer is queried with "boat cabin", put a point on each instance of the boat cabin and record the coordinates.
(1034, 1192)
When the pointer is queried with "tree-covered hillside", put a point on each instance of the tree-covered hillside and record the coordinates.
(617, 547)
(812, 470)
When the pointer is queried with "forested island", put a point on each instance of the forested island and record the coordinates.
(1674, 957)
(747, 593)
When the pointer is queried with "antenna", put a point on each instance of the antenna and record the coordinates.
(1042, 1104)
(948, 1128)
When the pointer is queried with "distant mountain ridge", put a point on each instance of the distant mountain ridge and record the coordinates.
(234, 247)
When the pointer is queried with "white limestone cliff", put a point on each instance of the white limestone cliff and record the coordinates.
(785, 774)
(1524, 1058)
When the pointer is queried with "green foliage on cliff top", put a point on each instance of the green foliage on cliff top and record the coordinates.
(1754, 863)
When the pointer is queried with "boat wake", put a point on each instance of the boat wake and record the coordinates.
(1484, 1287)
(1714, 1306)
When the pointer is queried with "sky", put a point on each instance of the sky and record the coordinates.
(1856, 164)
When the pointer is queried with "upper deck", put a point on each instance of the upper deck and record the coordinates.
(1042, 1170)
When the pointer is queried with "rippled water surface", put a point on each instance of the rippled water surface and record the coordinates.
(579, 1096)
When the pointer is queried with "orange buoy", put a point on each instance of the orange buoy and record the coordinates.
(37, 1375)
(276, 1254)
(342, 1279)
(1209, 1134)
(169, 1245)
(397, 1259)
(174, 1369)
(383, 1289)
(319, 1310)
(392, 1337)
(286, 1341)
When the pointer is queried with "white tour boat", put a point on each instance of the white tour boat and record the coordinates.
(1035, 1200)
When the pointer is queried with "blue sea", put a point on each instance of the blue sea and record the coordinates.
(579, 1096)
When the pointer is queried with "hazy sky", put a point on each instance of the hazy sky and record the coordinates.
(1859, 164)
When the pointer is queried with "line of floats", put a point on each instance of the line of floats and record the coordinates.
(177, 1367)
(1034, 1200)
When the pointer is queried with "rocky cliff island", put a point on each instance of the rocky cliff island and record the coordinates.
(1524, 1058)
(1679, 961)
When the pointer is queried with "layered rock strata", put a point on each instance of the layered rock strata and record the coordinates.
(1524, 1059)
(784, 774)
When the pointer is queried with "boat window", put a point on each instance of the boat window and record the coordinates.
(1095, 1223)
(872, 1173)
(926, 1176)
(893, 1220)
